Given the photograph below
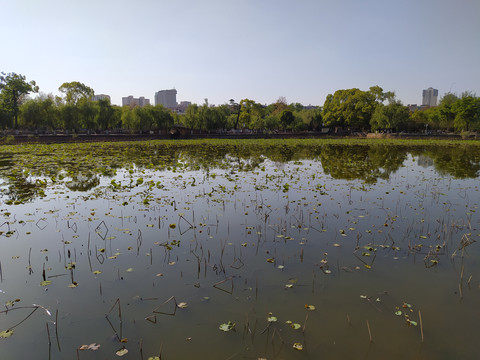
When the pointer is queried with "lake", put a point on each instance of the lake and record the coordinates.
(285, 249)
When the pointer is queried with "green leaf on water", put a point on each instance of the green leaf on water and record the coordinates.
(6, 333)
(296, 326)
(298, 346)
(96, 272)
(271, 318)
(227, 326)
(45, 282)
(153, 358)
(122, 352)
(398, 312)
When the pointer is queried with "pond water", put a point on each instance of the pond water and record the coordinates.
(240, 250)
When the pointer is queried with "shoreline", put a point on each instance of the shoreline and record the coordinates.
(85, 138)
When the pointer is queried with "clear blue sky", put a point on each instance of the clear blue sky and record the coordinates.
(256, 49)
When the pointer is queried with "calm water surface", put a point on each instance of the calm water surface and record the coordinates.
(350, 252)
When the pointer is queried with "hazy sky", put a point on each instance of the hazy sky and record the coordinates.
(256, 49)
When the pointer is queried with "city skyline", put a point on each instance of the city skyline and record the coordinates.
(219, 50)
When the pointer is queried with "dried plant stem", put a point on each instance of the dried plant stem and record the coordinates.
(305, 323)
(49, 343)
(369, 332)
(421, 324)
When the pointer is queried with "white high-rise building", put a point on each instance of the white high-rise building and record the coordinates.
(101, 97)
(167, 98)
(430, 96)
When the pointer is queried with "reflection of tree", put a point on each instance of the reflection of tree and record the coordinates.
(459, 161)
(86, 164)
(21, 189)
(83, 182)
(366, 162)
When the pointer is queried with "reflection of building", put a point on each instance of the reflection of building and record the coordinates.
(424, 161)
(167, 98)
(101, 97)
(131, 101)
(430, 96)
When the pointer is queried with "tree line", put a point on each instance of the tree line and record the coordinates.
(354, 109)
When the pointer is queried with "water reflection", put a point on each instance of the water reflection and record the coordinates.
(171, 241)
(27, 171)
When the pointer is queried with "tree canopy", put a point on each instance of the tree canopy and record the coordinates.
(366, 110)
(12, 89)
(74, 91)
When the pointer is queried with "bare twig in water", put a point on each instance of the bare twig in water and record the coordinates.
(421, 324)
(369, 332)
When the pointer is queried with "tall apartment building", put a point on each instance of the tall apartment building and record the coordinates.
(132, 102)
(101, 97)
(167, 98)
(430, 96)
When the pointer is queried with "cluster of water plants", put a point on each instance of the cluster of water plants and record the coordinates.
(251, 249)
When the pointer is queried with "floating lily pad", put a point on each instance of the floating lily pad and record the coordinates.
(6, 333)
(272, 318)
(298, 346)
(227, 326)
(122, 352)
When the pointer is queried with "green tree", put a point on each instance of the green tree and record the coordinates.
(467, 112)
(392, 116)
(311, 119)
(70, 117)
(287, 119)
(143, 118)
(162, 117)
(88, 111)
(191, 117)
(106, 118)
(446, 113)
(128, 118)
(74, 91)
(13, 87)
(251, 115)
(353, 107)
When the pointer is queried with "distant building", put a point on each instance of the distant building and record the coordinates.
(101, 97)
(430, 97)
(167, 98)
(132, 102)
(182, 107)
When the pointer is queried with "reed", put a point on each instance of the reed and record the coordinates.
(369, 332)
(421, 323)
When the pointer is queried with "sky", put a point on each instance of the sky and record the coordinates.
(219, 50)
